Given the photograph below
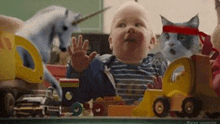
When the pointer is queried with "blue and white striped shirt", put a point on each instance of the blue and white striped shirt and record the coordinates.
(131, 80)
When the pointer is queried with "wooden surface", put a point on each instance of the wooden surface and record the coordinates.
(130, 120)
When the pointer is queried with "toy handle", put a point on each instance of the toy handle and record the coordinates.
(25, 73)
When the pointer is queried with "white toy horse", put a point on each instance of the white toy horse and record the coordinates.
(42, 28)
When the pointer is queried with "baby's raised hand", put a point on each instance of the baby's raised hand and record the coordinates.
(157, 83)
(78, 52)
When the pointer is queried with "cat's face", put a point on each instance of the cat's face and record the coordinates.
(176, 45)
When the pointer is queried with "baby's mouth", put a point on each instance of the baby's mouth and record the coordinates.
(130, 40)
(173, 52)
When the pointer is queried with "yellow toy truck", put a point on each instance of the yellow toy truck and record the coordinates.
(16, 79)
(187, 95)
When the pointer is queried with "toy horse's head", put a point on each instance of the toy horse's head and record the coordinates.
(68, 25)
(65, 29)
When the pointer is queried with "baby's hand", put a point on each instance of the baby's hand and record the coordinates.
(157, 83)
(78, 52)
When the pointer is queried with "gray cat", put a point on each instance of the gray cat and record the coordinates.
(176, 45)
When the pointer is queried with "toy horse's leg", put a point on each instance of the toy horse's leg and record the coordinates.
(52, 80)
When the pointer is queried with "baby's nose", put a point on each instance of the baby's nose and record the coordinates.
(131, 30)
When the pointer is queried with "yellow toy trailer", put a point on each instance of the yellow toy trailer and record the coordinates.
(16, 79)
(187, 95)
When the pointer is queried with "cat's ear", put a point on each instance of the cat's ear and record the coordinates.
(165, 21)
(194, 21)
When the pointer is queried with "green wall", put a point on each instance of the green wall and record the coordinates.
(24, 9)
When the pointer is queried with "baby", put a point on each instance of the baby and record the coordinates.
(129, 70)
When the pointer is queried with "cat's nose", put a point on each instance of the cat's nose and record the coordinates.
(131, 30)
(171, 44)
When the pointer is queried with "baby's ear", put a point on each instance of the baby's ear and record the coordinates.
(153, 42)
(110, 42)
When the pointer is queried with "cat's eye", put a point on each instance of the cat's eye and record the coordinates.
(182, 37)
(167, 36)
(65, 28)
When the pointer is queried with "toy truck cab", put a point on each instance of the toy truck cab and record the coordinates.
(188, 94)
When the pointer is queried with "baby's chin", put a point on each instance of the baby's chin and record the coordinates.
(130, 59)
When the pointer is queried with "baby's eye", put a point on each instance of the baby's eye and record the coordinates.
(122, 25)
(138, 24)
(167, 36)
(182, 37)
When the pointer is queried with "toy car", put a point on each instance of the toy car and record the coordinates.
(35, 104)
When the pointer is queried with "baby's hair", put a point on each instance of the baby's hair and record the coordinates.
(140, 7)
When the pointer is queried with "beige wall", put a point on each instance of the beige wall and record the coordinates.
(173, 10)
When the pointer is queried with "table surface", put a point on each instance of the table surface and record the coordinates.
(105, 119)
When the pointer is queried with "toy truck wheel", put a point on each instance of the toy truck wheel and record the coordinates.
(191, 107)
(76, 108)
(98, 110)
(161, 107)
(7, 104)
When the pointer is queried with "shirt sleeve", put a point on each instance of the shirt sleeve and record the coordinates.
(71, 72)
(82, 93)
(160, 63)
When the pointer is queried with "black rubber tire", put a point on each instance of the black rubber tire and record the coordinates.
(191, 107)
(7, 104)
(161, 107)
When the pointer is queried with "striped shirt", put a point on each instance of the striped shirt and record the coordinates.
(131, 80)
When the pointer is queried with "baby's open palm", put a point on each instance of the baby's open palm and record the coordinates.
(78, 52)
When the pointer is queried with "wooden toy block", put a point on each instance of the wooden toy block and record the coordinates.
(100, 106)
(120, 110)
(66, 82)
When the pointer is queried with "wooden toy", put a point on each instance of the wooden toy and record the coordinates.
(100, 105)
(67, 85)
(187, 95)
(15, 79)
(120, 110)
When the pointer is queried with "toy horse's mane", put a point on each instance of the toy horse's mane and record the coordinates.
(48, 10)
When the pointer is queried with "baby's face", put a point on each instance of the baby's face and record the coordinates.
(130, 35)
